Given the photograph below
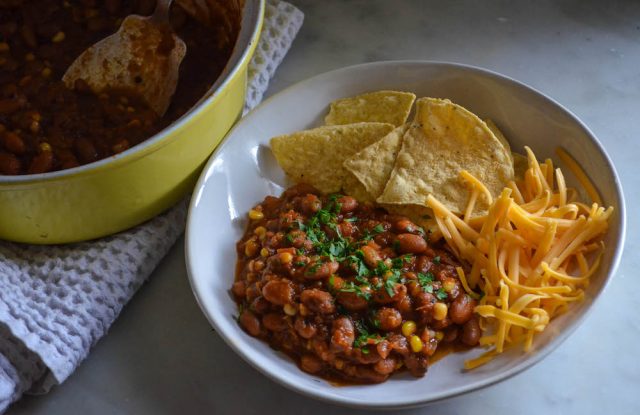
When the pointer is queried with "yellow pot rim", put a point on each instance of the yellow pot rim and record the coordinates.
(252, 17)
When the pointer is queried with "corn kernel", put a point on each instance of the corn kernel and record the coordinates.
(29, 57)
(439, 335)
(408, 328)
(58, 37)
(290, 310)
(255, 214)
(260, 231)
(339, 364)
(303, 310)
(45, 147)
(440, 311)
(46, 72)
(285, 258)
(264, 252)
(416, 344)
(449, 285)
(4, 47)
(250, 248)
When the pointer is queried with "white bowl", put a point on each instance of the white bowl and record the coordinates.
(242, 172)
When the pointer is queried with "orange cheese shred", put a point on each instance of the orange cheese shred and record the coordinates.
(531, 254)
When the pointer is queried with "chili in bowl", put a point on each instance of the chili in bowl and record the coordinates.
(351, 292)
(353, 328)
(45, 126)
(78, 165)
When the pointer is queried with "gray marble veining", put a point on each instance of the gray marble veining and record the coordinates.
(161, 355)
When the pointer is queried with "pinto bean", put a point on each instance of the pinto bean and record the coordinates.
(304, 328)
(9, 164)
(347, 229)
(383, 348)
(471, 332)
(319, 269)
(310, 364)
(423, 264)
(424, 305)
(405, 226)
(274, 321)
(381, 296)
(250, 322)
(371, 256)
(385, 366)
(41, 163)
(461, 310)
(347, 204)
(409, 243)
(278, 292)
(405, 306)
(389, 318)
(417, 364)
(310, 204)
(318, 301)
(13, 142)
(85, 150)
(343, 334)
(398, 344)
(353, 301)
(239, 289)
(260, 305)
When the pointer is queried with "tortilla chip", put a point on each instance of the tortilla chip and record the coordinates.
(391, 107)
(373, 165)
(444, 139)
(496, 131)
(352, 187)
(316, 156)
(520, 165)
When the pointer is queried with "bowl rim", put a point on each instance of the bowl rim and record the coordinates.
(248, 36)
(491, 380)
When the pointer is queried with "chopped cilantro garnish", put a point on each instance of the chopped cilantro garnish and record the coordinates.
(313, 268)
(365, 337)
(351, 287)
(351, 220)
(426, 281)
(378, 228)
(289, 238)
(324, 216)
(300, 264)
(401, 260)
(436, 259)
(441, 294)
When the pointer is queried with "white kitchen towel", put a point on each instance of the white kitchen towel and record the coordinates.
(56, 302)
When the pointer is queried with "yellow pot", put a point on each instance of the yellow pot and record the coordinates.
(125, 190)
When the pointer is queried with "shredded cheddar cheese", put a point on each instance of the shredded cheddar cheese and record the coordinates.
(529, 253)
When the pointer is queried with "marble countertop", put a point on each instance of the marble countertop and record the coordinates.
(162, 357)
